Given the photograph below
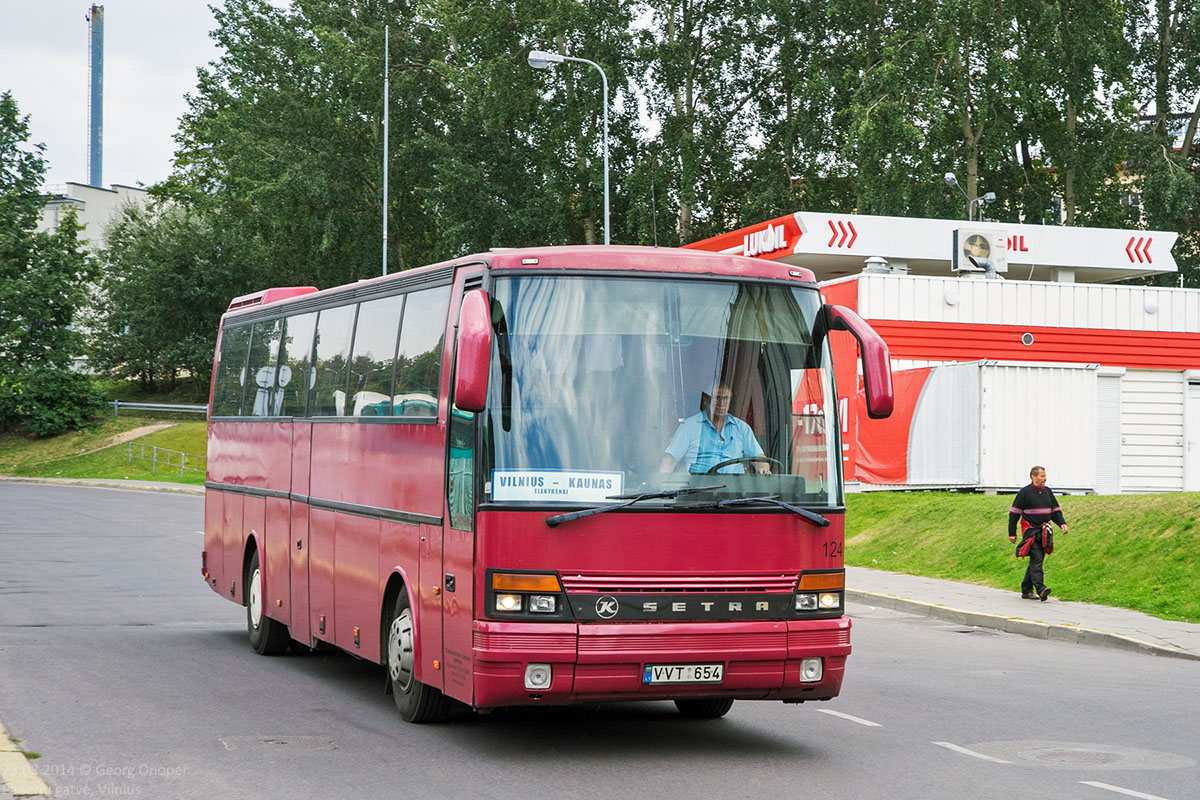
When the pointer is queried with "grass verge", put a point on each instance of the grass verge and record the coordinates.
(91, 454)
(1129, 551)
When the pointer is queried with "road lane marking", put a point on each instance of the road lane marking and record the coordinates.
(859, 720)
(1119, 790)
(15, 770)
(972, 753)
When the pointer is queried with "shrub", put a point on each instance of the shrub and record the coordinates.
(48, 401)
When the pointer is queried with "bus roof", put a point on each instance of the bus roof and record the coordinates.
(269, 296)
(644, 259)
(600, 258)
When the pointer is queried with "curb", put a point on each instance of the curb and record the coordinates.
(16, 772)
(1023, 627)
(102, 483)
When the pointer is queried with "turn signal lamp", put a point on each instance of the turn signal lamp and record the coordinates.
(525, 582)
(815, 581)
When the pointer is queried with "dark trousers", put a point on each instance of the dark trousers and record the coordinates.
(1033, 581)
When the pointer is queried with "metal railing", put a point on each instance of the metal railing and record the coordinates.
(182, 408)
(166, 458)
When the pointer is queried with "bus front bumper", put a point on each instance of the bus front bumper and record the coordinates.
(599, 662)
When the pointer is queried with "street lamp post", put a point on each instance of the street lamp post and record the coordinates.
(978, 202)
(386, 92)
(953, 181)
(540, 59)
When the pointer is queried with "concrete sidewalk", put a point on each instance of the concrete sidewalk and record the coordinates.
(984, 607)
(114, 483)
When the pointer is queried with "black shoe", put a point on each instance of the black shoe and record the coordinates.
(1044, 593)
(1028, 596)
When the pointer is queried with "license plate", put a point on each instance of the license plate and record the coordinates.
(683, 673)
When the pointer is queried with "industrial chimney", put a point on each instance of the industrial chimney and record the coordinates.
(95, 19)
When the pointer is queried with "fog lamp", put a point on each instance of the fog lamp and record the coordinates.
(508, 602)
(543, 603)
(537, 677)
(811, 670)
(806, 602)
(830, 601)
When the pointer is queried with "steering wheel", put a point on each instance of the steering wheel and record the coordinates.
(746, 460)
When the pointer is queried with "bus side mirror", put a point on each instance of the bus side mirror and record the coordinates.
(877, 365)
(474, 352)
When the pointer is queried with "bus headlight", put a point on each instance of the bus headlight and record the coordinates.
(806, 602)
(508, 602)
(830, 601)
(812, 670)
(543, 603)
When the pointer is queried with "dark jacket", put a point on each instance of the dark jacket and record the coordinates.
(1037, 505)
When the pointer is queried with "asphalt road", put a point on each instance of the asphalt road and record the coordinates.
(132, 679)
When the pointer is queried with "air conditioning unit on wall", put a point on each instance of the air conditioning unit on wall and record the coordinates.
(979, 250)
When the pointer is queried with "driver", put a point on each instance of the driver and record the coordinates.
(706, 439)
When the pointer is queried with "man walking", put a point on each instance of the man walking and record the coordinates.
(1035, 507)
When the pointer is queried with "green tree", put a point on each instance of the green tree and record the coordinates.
(43, 282)
(169, 273)
(518, 157)
(703, 70)
(1168, 75)
(283, 138)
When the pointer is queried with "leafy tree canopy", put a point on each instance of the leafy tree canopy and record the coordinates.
(43, 282)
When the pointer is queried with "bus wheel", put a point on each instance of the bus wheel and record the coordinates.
(417, 702)
(268, 637)
(708, 708)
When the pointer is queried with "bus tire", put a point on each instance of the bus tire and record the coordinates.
(268, 637)
(704, 708)
(416, 701)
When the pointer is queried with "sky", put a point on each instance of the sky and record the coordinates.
(152, 49)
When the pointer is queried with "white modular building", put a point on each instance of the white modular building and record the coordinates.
(1011, 346)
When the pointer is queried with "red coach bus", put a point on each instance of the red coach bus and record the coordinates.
(543, 476)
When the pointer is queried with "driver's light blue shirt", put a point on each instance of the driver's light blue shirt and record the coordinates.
(697, 446)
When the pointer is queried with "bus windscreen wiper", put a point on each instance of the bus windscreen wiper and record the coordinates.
(811, 516)
(559, 519)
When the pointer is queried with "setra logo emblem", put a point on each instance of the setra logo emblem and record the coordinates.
(607, 606)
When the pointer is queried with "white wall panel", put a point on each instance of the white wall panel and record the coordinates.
(1191, 430)
(1152, 404)
(1108, 434)
(1038, 415)
(1034, 303)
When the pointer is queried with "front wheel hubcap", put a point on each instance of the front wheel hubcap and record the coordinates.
(400, 651)
(255, 602)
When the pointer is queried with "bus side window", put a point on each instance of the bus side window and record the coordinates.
(373, 361)
(231, 372)
(262, 395)
(419, 358)
(327, 395)
(294, 361)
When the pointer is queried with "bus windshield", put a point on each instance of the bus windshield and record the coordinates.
(603, 388)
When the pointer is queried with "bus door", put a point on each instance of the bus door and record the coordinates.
(300, 625)
(459, 539)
